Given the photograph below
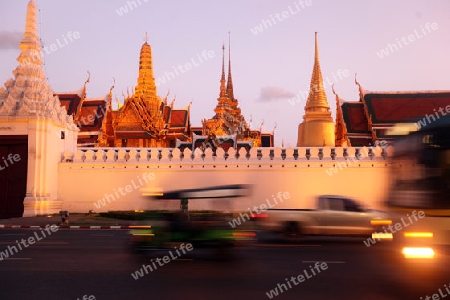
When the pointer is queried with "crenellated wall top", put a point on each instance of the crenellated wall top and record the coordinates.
(174, 155)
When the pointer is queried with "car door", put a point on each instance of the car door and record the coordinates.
(333, 218)
(357, 220)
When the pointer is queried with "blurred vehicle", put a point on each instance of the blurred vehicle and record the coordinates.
(419, 200)
(205, 231)
(334, 215)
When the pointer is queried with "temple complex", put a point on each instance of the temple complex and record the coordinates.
(147, 120)
(41, 132)
(317, 128)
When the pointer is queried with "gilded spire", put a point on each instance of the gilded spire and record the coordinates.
(227, 119)
(317, 97)
(230, 81)
(317, 129)
(146, 81)
(223, 89)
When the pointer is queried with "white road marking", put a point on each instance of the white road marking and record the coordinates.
(37, 243)
(325, 261)
(281, 245)
(101, 235)
(13, 234)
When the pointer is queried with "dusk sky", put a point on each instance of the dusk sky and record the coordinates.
(391, 45)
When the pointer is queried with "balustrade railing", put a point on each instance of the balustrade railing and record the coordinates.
(174, 155)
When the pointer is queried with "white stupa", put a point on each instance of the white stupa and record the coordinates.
(29, 111)
(28, 93)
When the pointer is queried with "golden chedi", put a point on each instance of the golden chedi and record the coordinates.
(317, 128)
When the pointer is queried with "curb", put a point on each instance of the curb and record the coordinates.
(74, 227)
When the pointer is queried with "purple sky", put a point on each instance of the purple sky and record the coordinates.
(269, 68)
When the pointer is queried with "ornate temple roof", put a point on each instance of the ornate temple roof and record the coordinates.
(387, 108)
(228, 119)
(145, 115)
(375, 113)
(179, 118)
(88, 113)
(92, 113)
(70, 101)
(356, 125)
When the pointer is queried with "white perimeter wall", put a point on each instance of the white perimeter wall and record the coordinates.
(89, 176)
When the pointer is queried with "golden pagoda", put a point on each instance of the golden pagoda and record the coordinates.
(228, 120)
(145, 119)
(317, 128)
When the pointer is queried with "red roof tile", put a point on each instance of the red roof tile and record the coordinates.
(354, 117)
(396, 108)
(70, 102)
(178, 118)
(91, 115)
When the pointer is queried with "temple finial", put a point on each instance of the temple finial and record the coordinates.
(223, 89)
(112, 87)
(88, 79)
(146, 37)
(230, 91)
(109, 104)
(362, 92)
(316, 52)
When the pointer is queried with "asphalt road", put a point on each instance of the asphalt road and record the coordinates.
(70, 264)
